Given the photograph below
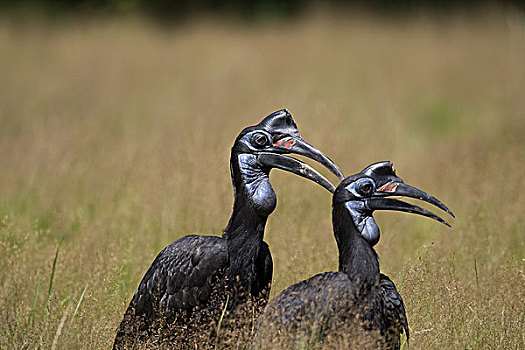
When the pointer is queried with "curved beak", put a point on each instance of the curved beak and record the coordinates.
(398, 188)
(295, 144)
(294, 166)
(397, 205)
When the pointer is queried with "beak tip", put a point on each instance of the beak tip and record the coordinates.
(337, 172)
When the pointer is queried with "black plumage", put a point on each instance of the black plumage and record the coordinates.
(200, 287)
(357, 306)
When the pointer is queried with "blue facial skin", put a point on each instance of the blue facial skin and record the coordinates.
(260, 192)
(246, 139)
(362, 216)
(364, 221)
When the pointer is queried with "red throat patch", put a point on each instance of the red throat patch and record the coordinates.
(388, 187)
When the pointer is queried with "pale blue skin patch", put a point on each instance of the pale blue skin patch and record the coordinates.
(365, 224)
(248, 136)
(352, 188)
(362, 216)
(257, 185)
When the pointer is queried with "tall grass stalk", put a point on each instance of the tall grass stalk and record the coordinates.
(220, 320)
(58, 332)
(51, 278)
(32, 313)
(78, 305)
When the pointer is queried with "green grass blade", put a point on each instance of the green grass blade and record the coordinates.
(32, 314)
(220, 320)
(78, 304)
(48, 301)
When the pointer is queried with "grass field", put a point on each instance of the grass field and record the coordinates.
(115, 137)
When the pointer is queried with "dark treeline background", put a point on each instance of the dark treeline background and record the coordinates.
(180, 9)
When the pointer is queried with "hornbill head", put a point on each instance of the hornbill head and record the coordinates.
(365, 192)
(261, 147)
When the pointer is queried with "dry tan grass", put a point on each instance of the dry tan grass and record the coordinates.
(115, 135)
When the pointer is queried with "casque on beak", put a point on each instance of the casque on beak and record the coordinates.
(276, 135)
(368, 190)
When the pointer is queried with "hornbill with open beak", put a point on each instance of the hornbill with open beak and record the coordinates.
(356, 307)
(199, 286)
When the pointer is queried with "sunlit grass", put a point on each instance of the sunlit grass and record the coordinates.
(115, 136)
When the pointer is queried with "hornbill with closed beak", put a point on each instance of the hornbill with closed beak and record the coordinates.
(357, 306)
(201, 286)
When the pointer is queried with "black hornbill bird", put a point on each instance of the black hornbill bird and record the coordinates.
(199, 286)
(356, 307)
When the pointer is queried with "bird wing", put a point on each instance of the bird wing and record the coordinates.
(394, 308)
(303, 308)
(182, 275)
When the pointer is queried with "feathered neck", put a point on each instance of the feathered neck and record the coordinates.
(357, 258)
(245, 231)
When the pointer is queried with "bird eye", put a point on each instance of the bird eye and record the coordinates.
(289, 120)
(362, 187)
(365, 186)
(260, 140)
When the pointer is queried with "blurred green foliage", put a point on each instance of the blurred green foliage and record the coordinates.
(173, 10)
(436, 117)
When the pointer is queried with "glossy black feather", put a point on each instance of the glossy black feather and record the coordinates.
(356, 307)
(206, 291)
(183, 293)
(179, 281)
(394, 311)
(331, 310)
(182, 274)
